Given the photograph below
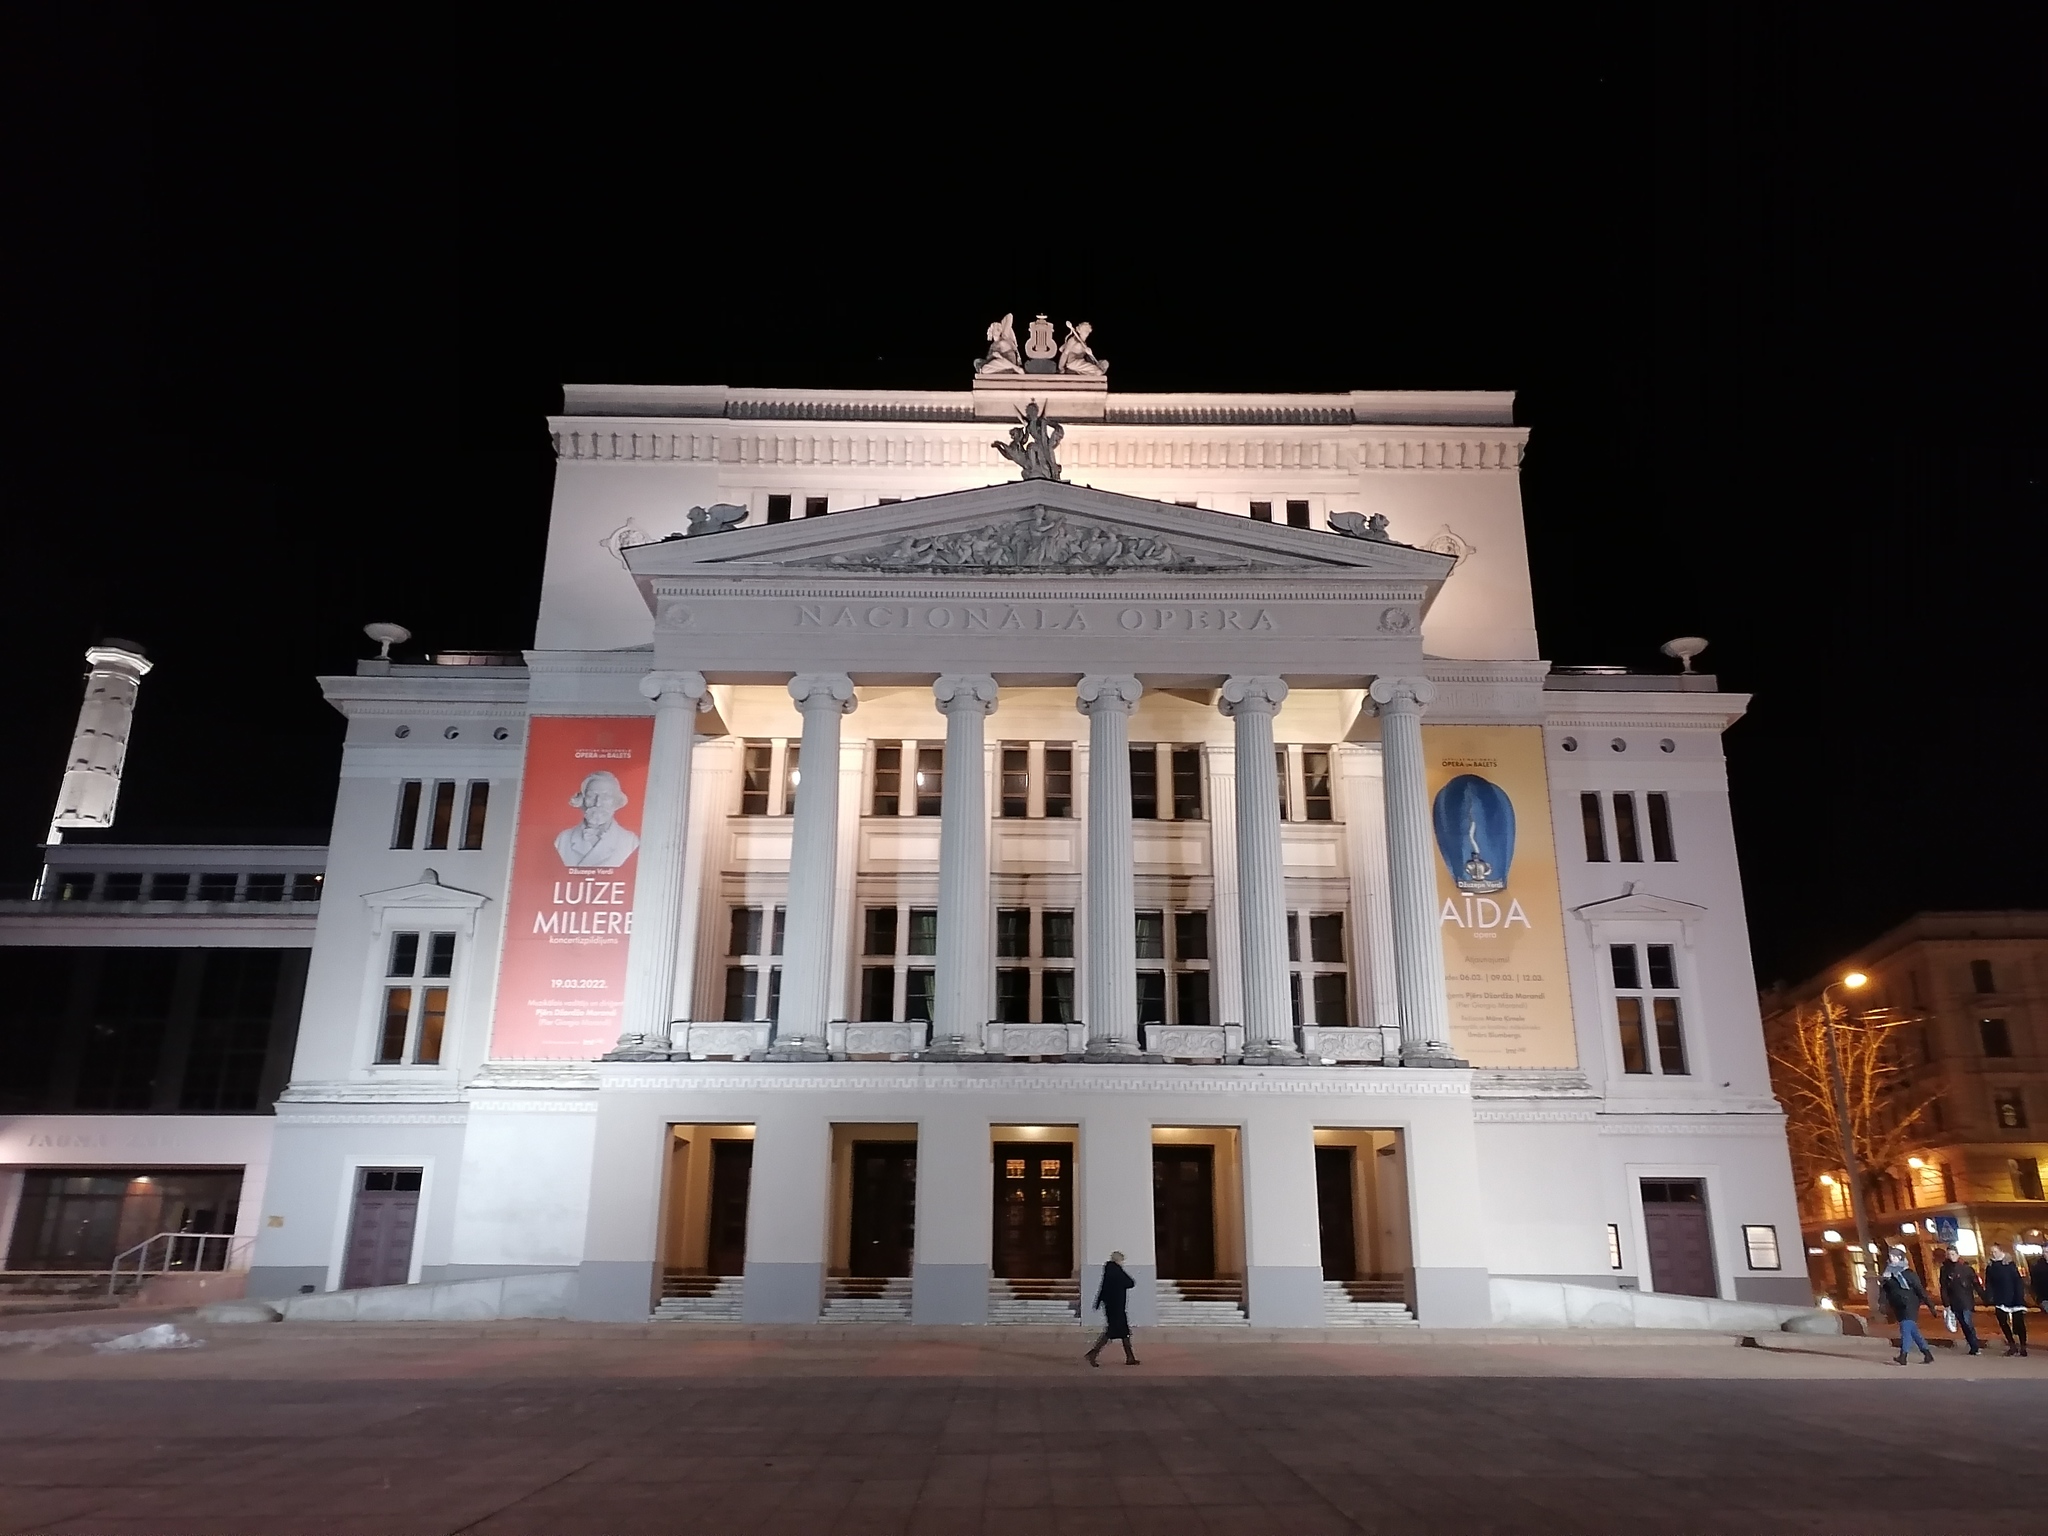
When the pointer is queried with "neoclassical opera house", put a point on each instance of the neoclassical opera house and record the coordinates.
(937, 839)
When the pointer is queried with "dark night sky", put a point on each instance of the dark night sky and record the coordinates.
(285, 310)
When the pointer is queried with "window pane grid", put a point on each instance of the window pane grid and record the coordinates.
(1648, 1018)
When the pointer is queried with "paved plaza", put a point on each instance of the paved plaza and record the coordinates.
(549, 1427)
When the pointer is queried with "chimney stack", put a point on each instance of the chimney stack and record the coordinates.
(92, 774)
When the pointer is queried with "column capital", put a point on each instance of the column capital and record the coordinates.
(967, 691)
(672, 690)
(1099, 691)
(1402, 695)
(817, 689)
(1251, 695)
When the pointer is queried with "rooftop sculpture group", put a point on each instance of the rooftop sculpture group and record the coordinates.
(1033, 444)
(1072, 356)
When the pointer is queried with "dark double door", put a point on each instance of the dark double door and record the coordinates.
(380, 1232)
(884, 1224)
(1034, 1210)
(1184, 1212)
(1335, 1212)
(1675, 1229)
(732, 1177)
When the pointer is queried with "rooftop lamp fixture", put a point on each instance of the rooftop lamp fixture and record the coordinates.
(1683, 649)
(386, 636)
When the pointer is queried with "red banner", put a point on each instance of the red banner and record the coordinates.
(569, 914)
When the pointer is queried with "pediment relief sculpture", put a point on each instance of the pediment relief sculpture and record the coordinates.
(1040, 540)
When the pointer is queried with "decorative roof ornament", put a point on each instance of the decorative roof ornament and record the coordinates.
(1076, 356)
(1003, 356)
(1038, 346)
(720, 518)
(1356, 525)
(1033, 444)
(1040, 540)
(1073, 357)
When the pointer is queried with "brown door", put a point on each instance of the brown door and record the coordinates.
(1334, 1212)
(1034, 1210)
(1184, 1212)
(732, 1174)
(1675, 1226)
(884, 1228)
(380, 1230)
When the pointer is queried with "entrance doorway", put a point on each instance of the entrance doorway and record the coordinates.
(1034, 1210)
(1184, 1211)
(80, 1219)
(1334, 1211)
(1680, 1243)
(1362, 1211)
(882, 1231)
(705, 1202)
(380, 1229)
(732, 1177)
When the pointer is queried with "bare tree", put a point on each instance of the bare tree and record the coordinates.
(1888, 1115)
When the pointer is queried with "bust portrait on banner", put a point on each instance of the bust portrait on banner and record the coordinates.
(597, 841)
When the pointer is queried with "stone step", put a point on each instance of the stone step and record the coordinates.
(860, 1299)
(1034, 1301)
(1207, 1303)
(719, 1301)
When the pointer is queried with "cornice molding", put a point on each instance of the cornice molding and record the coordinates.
(1667, 711)
(1290, 1081)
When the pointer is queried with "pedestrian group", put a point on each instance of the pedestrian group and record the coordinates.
(2002, 1287)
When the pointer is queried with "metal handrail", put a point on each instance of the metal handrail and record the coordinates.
(172, 1254)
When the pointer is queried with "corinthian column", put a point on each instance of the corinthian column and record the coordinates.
(1110, 885)
(1411, 876)
(960, 1009)
(822, 697)
(1251, 703)
(658, 880)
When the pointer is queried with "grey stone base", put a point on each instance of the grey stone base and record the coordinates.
(1264, 1055)
(1432, 1059)
(614, 1291)
(1143, 1297)
(1778, 1290)
(286, 1279)
(797, 1050)
(1453, 1298)
(442, 1274)
(1279, 1296)
(949, 1293)
(1113, 1056)
(783, 1293)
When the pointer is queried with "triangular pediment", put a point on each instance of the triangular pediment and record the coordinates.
(428, 891)
(1639, 906)
(1033, 528)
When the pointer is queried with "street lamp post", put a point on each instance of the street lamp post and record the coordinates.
(1851, 1169)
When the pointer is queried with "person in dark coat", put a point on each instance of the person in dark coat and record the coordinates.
(1111, 1300)
(2037, 1274)
(1961, 1291)
(2008, 1293)
(1905, 1295)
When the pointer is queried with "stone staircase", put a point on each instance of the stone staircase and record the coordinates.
(1034, 1301)
(857, 1299)
(700, 1299)
(1211, 1302)
(1366, 1304)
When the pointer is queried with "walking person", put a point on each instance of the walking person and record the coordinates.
(2037, 1275)
(2008, 1293)
(1905, 1295)
(1961, 1290)
(1111, 1301)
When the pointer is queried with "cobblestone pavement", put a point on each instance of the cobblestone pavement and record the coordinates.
(564, 1428)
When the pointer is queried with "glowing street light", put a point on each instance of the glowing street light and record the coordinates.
(1853, 981)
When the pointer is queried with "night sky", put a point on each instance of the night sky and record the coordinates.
(286, 309)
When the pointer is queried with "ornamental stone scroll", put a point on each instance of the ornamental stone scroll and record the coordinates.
(809, 688)
(964, 691)
(1111, 691)
(1260, 695)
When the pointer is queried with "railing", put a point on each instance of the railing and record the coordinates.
(170, 1253)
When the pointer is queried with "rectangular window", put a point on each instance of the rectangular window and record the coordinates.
(1283, 774)
(1663, 968)
(1056, 934)
(1981, 977)
(1145, 783)
(440, 954)
(1294, 996)
(878, 931)
(1326, 937)
(1190, 935)
(405, 828)
(778, 509)
(1191, 997)
(1670, 1037)
(1151, 997)
(433, 1021)
(1016, 782)
(2010, 1109)
(888, 781)
(2026, 1178)
(128, 887)
(744, 937)
(261, 888)
(774, 992)
(1187, 783)
(405, 954)
(1056, 997)
(397, 1019)
(1262, 511)
(1297, 514)
(781, 921)
(815, 506)
(918, 989)
(1662, 849)
(877, 994)
(218, 887)
(1293, 937)
(757, 766)
(1761, 1242)
(1626, 846)
(443, 817)
(792, 764)
(1629, 1015)
(1151, 936)
(741, 992)
(174, 887)
(1333, 1000)
(1996, 1036)
(1013, 937)
(1315, 784)
(1013, 995)
(1623, 959)
(1613, 1246)
(1059, 781)
(305, 887)
(474, 810)
(924, 931)
(931, 780)
(1640, 1008)
(1596, 828)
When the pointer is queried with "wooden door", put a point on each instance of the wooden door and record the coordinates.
(1681, 1246)
(380, 1229)
(732, 1176)
(1034, 1210)
(1334, 1211)
(884, 1225)
(1184, 1212)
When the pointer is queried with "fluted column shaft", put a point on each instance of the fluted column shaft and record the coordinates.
(959, 1009)
(1251, 703)
(1411, 876)
(658, 879)
(822, 698)
(1111, 880)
